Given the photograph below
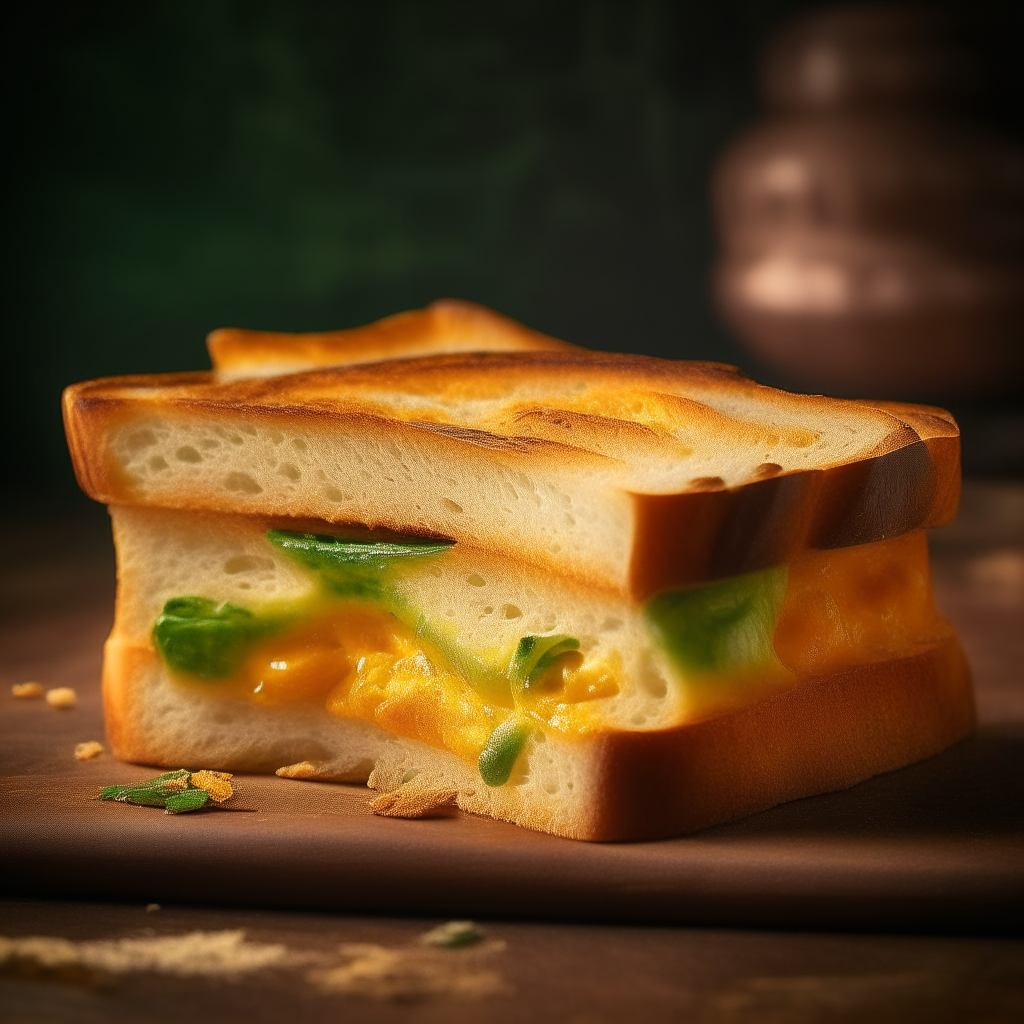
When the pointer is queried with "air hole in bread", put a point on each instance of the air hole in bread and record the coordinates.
(186, 453)
(653, 684)
(158, 462)
(707, 481)
(242, 482)
(333, 494)
(290, 471)
(140, 439)
(452, 506)
(611, 625)
(510, 611)
(767, 469)
(298, 443)
(476, 580)
(247, 563)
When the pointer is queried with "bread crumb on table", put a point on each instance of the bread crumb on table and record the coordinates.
(215, 783)
(61, 697)
(89, 749)
(410, 801)
(27, 691)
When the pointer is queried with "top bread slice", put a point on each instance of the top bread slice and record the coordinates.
(447, 325)
(628, 473)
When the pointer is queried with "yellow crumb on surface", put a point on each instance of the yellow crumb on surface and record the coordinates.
(401, 975)
(363, 970)
(88, 750)
(300, 770)
(27, 691)
(213, 954)
(61, 697)
(413, 801)
(215, 783)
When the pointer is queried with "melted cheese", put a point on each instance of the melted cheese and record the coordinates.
(842, 608)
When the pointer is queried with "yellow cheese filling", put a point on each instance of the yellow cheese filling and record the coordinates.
(362, 662)
(841, 609)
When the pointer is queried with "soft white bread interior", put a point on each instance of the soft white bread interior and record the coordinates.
(652, 768)
(446, 325)
(630, 474)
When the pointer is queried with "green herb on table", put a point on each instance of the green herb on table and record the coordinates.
(177, 792)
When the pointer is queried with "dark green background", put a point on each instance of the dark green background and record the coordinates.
(307, 165)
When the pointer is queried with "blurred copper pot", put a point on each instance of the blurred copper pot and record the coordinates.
(870, 242)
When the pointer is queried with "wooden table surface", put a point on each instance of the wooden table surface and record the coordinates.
(55, 599)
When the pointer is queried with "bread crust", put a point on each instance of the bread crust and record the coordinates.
(828, 734)
(446, 325)
(904, 477)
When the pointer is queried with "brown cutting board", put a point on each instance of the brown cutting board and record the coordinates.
(938, 846)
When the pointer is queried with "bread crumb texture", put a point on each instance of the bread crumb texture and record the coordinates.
(88, 750)
(27, 691)
(61, 697)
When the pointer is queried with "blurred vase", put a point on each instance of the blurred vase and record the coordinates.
(872, 227)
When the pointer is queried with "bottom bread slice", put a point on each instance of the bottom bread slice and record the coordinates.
(827, 734)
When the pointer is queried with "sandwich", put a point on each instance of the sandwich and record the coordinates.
(604, 596)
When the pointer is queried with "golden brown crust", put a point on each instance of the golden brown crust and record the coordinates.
(829, 734)
(447, 325)
(718, 532)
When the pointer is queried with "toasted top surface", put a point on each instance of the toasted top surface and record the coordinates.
(447, 325)
(656, 426)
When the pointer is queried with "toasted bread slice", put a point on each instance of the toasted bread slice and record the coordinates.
(629, 473)
(827, 734)
(874, 680)
(447, 325)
